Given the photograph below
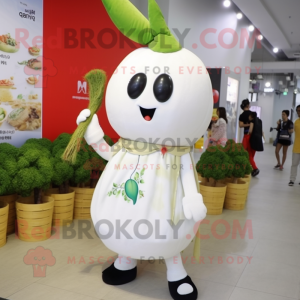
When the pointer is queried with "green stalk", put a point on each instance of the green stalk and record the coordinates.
(96, 80)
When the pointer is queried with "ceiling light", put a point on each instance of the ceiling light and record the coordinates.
(298, 77)
(260, 77)
(254, 81)
(286, 90)
(239, 16)
(292, 83)
(296, 91)
(260, 37)
(288, 78)
(275, 50)
(268, 90)
(227, 3)
(280, 82)
(268, 84)
(251, 28)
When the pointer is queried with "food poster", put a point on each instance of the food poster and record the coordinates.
(21, 81)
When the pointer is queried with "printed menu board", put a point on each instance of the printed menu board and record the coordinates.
(21, 72)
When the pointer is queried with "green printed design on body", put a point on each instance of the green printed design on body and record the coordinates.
(129, 190)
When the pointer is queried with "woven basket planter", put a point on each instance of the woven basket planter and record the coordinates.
(34, 220)
(247, 179)
(63, 206)
(236, 195)
(82, 206)
(213, 197)
(4, 208)
(11, 201)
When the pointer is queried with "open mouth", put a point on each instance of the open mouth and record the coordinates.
(148, 114)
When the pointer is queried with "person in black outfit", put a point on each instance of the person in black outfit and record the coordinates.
(244, 118)
(256, 138)
(285, 129)
(245, 123)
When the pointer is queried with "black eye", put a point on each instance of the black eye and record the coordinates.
(163, 88)
(137, 85)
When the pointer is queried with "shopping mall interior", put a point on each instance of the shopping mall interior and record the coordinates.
(103, 98)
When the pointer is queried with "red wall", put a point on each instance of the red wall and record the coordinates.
(59, 109)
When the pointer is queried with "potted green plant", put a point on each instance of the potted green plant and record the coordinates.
(240, 160)
(214, 165)
(233, 147)
(237, 189)
(8, 169)
(34, 174)
(247, 174)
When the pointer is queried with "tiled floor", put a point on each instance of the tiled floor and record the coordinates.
(263, 267)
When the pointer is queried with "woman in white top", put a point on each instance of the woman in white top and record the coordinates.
(219, 129)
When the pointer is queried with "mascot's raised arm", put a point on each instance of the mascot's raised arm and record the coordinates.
(149, 187)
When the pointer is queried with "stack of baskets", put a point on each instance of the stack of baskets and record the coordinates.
(4, 207)
(11, 201)
(82, 204)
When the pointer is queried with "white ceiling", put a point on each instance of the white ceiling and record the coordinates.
(278, 21)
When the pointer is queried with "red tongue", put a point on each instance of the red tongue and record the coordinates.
(147, 118)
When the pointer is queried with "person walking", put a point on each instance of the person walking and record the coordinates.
(244, 122)
(285, 129)
(296, 150)
(256, 140)
(219, 128)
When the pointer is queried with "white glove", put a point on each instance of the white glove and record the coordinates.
(94, 132)
(83, 116)
(193, 207)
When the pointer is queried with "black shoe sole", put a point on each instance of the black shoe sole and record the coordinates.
(113, 276)
(173, 286)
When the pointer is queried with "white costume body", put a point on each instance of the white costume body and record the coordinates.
(181, 120)
(156, 98)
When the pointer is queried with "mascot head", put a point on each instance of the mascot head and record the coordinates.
(161, 93)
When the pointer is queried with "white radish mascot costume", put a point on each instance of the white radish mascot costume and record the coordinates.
(147, 203)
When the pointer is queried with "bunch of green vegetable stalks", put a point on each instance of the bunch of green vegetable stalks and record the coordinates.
(96, 80)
